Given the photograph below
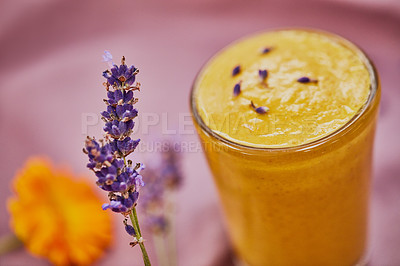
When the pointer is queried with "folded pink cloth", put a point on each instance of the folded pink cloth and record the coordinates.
(50, 78)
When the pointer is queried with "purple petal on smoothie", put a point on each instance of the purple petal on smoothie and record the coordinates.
(236, 70)
(236, 89)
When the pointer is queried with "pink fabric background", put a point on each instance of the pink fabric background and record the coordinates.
(50, 75)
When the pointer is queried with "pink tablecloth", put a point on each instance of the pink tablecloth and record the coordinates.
(50, 78)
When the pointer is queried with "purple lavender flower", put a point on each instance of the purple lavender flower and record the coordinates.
(266, 50)
(98, 155)
(129, 228)
(121, 76)
(126, 146)
(307, 80)
(236, 89)
(164, 176)
(170, 165)
(236, 70)
(107, 57)
(120, 203)
(158, 223)
(107, 158)
(118, 129)
(262, 73)
(259, 110)
(111, 172)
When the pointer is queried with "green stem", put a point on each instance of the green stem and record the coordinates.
(160, 247)
(145, 256)
(136, 219)
(135, 224)
(171, 235)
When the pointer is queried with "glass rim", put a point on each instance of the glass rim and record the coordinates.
(374, 87)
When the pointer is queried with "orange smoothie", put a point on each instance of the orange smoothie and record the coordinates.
(287, 119)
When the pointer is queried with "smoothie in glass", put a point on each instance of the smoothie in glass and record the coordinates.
(287, 119)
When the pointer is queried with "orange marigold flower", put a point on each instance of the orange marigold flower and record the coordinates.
(58, 216)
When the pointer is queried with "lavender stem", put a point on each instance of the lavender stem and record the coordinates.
(160, 247)
(145, 256)
(135, 224)
(171, 236)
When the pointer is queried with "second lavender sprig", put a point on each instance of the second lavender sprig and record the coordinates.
(107, 157)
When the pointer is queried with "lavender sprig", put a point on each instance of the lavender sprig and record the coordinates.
(236, 70)
(237, 89)
(158, 201)
(260, 110)
(107, 57)
(164, 176)
(266, 50)
(263, 74)
(107, 157)
(307, 80)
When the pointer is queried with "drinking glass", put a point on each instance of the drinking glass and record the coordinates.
(298, 205)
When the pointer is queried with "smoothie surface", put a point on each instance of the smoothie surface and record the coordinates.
(298, 113)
